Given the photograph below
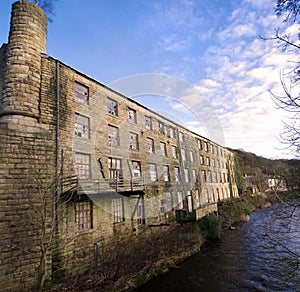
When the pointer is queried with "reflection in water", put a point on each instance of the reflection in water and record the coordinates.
(261, 255)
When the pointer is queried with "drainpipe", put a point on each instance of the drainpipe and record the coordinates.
(57, 149)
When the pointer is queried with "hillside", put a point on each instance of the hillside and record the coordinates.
(259, 168)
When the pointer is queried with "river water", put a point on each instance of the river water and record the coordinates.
(262, 254)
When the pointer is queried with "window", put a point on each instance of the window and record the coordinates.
(136, 169)
(118, 210)
(205, 146)
(220, 177)
(114, 167)
(83, 165)
(213, 162)
(148, 123)
(194, 175)
(131, 115)
(215, 176)
(81, 93)
(180, 200)
(82, 126)
(197, 196)
(153, 172)
(181, 137)
(204, 175)
(150, 145)
(174, 151)
(224, 178)
(161, 128)
(186, 175)
(166, 173)
(168, 201)
(210, 176)
(217, 150)
(201, 159)
(163, 149)
(133, 141)
(223, 164)
(112, 107)
(113, 135)
(189, 201)
(172, 132)
(207, 161)
(84, 215)
(176, 171)
(199, 144)
(221, 152)
(212, 148)
(191, 156)
(183, 154)
(218, 163)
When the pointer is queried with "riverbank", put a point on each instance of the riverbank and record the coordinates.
(132, 261)
(261, 254)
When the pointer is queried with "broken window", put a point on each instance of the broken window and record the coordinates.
(81, 93)
(113, 135)
(150, 145)
(82, 126)
(131, 115)
(112, 107)
(133, 141)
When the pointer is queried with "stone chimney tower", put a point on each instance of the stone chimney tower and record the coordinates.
(22, 73)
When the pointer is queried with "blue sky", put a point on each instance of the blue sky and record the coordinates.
(213, 45)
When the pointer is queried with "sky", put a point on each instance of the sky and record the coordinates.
(215, 46)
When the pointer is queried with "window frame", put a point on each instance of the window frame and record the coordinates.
(109, 110)
(132, 119)
(186, 175)
(153, 171)
(161, 127)
(181, 136)
(174, 151)
(148, 118)
(172, 132)
(79, 94)
(163, 149)
(166, 173)
(133, 143)
(77, 129)
(117, 206)
(177, 173)
(114, 138)
(84, 215)
(152, 148)
(82, 170)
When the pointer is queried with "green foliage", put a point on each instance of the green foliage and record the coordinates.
(210, 226)
(238, 176)
(232, 212)
(58, 271)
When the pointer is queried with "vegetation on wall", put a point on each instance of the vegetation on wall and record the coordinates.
(238, 175)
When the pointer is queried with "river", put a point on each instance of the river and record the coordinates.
(262, 254)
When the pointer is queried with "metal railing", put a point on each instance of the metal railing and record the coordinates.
(120, 184)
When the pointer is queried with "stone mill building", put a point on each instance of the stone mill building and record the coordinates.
(82, 161)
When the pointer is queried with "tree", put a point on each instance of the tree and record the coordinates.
(290, 80)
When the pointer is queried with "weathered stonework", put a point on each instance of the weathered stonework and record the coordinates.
(38, 109)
